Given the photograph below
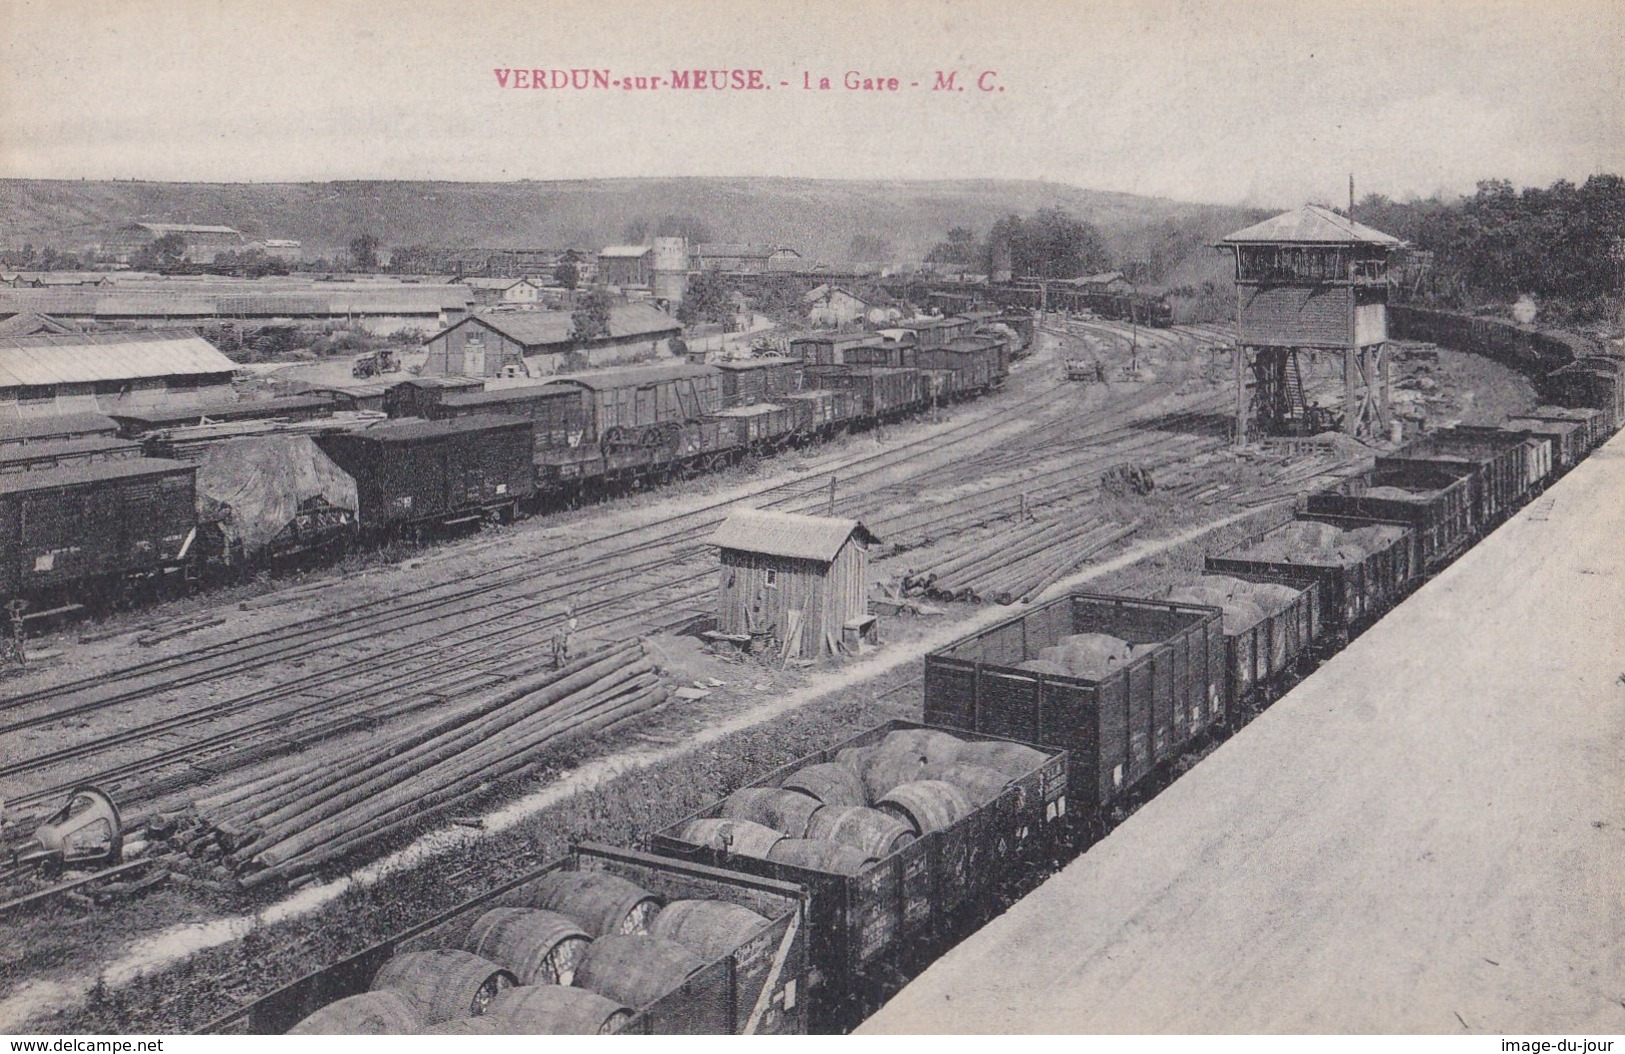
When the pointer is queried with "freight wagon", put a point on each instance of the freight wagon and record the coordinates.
(95, 534)
(972, 368)
(54, 428)
(1533, 351)
(1432, 497)
(414, 474)
(414, 397)
(765, 380)
(134, 424)
(1500, 481)
(554, 411)
(885, 394)
(1566, 437)
(1122, 684)
(761, 428)
(1272, 626)
(1588, 422)
(643, 405)
(916, 882)
(1364, 566)
(1591, 383)
(669, 947)
(66, 453)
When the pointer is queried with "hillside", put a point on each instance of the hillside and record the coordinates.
(819, 217)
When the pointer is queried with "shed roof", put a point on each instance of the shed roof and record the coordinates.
(621, 377)
(79, 358)
(535, 329)
(517, 394)
(1312, 224)
(764, 363)
(187, 228)
(65, 448)
(233, 411)
(95, 472)
(28, 323)
(626, 251)
(58, 425)
(788, 534)
(735, 249)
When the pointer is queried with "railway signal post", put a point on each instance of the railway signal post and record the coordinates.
(1310, 281)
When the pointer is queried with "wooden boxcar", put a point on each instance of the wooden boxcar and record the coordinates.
(414, 473)
(67, 534)
(886, 353)
(885, 394)
(972, 368)
(555, 412)
(826, 349)
(765, 380)
(760, 987)
(761, 427)
(635, 405)
(1357, 588)
(67, 453)
(1433, 497)
(1117, 729)
(413, 397)
(905, 907)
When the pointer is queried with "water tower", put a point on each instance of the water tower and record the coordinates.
(1310, 281)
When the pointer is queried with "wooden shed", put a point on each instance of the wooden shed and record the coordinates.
(804, 579)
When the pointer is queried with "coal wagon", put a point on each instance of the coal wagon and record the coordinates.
(1434, 498)
(1123, 684)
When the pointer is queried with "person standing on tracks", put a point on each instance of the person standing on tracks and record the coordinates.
(564, 639)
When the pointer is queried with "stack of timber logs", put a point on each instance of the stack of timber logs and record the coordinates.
(1016, 562)
(289, 824)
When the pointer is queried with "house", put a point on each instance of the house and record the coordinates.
(489, 292)
(733, 256)
(51, 374)
(834, 306)
(802, 579)
(284, 249)
(537, 343)
(204, 242)
(624, 265)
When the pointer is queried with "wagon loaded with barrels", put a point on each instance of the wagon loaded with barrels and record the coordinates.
(899, 834)
(605, 940)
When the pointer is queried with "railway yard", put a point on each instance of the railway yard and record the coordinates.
(308, 767)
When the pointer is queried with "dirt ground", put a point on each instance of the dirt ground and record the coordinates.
(1426, 836)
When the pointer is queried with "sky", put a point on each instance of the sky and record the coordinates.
(1263, 102)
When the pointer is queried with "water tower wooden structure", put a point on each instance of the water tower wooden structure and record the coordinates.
(1310, 280)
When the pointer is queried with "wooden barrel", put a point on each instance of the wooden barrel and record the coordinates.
(1012, 759)
(733, 836)
(444, 983)
(786, 811)
(892, 768)
(470, 1026)
(820, 854)
(553, 1010)
(382, 1013)
(635, 971)
(600, 903)
(938, 748)
(856, 758)
(978, 782)
(830, 783)
(708, 928)
(870, 831)
(540, 947)
(926, 805)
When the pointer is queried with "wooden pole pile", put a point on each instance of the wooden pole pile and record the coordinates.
(1016, 563)
(289, 824)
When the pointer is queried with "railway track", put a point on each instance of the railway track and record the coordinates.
(499, 621)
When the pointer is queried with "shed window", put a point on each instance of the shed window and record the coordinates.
(772, 578)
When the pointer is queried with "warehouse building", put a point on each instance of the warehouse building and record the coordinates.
(539, 343)
(204, 242)
(51, 374)
(804, 580)
(624, 265)
(490, 292)
(752, 259)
